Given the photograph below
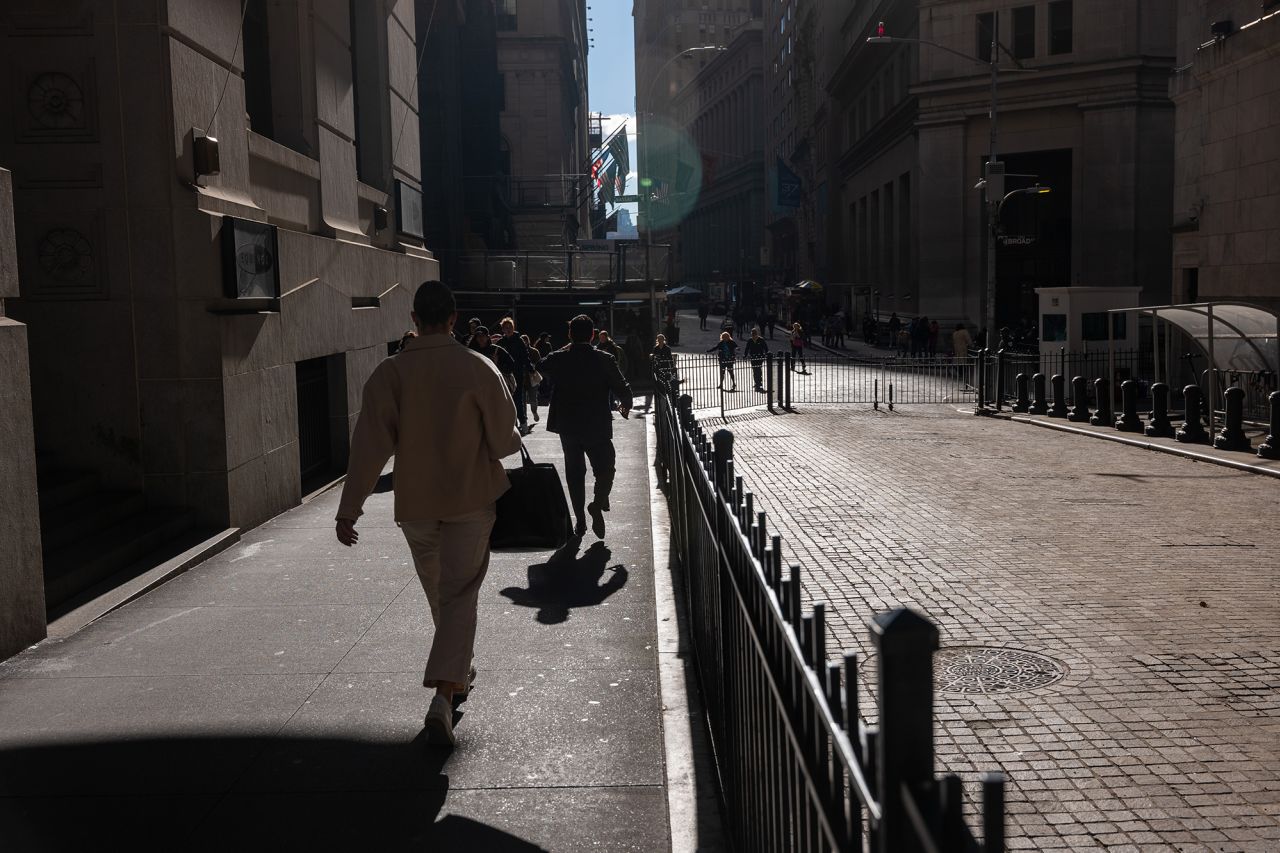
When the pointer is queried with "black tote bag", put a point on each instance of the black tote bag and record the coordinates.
(533, 513)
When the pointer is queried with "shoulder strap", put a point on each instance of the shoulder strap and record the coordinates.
(524, 455)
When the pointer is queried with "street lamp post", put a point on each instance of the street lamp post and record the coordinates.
(645, 189)
(993, 170)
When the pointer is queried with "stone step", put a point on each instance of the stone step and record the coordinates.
(78, 565)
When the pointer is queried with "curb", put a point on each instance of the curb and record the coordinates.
(1147, 445)
(117, 597)
(683, 736)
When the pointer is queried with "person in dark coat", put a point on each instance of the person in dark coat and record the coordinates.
(513, 342)
(663, 360)
(756, 350)
(583, 378)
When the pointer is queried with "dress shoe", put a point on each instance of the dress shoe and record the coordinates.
(580, 528)
(597, 520)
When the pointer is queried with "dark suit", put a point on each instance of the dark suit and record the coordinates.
(582, 379)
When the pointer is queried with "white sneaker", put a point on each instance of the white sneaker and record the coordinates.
(439, 722)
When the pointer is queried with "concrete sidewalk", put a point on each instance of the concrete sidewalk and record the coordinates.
(272, 695)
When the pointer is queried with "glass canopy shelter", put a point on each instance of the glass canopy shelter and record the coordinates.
(1236, 337)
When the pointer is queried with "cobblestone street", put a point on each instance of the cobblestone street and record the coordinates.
(1147, 712)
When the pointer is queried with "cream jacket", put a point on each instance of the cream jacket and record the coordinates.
(447, 416)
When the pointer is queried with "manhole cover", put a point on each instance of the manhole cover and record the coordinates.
(978, 669)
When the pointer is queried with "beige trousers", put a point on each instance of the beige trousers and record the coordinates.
(452, 557)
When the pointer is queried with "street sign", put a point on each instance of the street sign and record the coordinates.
(1016, 240)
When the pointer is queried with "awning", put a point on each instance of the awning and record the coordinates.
(809, 285)
(1235, 335)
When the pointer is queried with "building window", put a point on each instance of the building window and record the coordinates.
(1024, 32)
(985, 22)
(507, 16)
(257, 68)
(1060, 27)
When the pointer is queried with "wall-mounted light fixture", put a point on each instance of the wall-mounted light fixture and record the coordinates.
(204, 154)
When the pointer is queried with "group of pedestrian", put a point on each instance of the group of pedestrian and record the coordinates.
(756, 351)
(450, 413)
(917, 338)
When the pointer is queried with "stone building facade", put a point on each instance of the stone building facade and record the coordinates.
(796, 122)
(1090, 117)
(542, 61)
(665, 33)
(1226, 204)
(200, 329)
(22, 616)
(722, 110)
(466, 193)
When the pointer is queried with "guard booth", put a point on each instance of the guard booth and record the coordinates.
(1076, 319)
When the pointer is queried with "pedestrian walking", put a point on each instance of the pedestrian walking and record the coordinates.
(727, 349)
(464, 337)
(756, 350)
(583, 379)
(663, 359)
(447, 416)
(960, 342)
(605, 343)
(771, 321)
(933, 338)
(482, 343)
(517, 346)
(704, 309)
(797, 347)
(532, 377)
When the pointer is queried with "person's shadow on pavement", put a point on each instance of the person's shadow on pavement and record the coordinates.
(566, 581)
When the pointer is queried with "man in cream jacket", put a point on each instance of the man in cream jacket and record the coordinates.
(445, 412)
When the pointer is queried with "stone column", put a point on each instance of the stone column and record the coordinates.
(22, 614)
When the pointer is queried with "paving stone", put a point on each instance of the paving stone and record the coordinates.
(1150, 578)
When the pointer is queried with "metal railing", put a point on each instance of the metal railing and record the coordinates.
(799, 769)
(820, 378)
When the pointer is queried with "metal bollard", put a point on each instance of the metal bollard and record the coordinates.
(1080, 411)
(875, 395)
(1102, 394)
(1159, 426)
(1270, 447)
(999, 395)
(891, 396)
(1023, 403)
(1129, 420)
(981, 408)
(1232, 436)
(1039, 403)
(1192, 431)
(1059, 408)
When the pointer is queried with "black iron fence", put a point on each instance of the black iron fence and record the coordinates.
(780, 380)
(799, 769)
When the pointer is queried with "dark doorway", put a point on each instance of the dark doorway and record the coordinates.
(1034, 249)
(315, 445)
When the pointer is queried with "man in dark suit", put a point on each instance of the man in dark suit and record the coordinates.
(582, 379)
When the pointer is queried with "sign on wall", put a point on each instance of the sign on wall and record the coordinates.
(250, 259)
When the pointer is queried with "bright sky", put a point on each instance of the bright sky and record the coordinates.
(611, 74)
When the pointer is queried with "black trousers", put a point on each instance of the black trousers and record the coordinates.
(602, 456)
